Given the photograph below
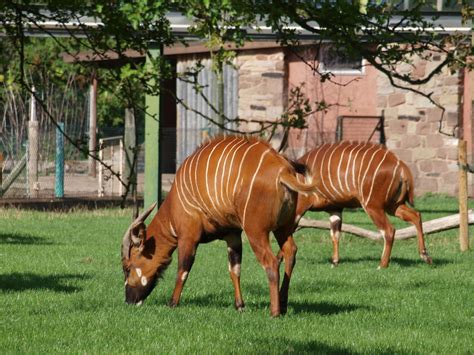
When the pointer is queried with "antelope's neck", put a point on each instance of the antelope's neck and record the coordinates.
(164, 241)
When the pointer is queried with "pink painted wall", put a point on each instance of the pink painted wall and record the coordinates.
(347, 94)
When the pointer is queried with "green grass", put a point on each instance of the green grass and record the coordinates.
(61, 290)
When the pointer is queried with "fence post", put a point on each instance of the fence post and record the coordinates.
(1, 174)
(152, 188)
(33, 149)
(59, 181)
(339, 129)
(463, 215)
(130, 145)
(92, 164)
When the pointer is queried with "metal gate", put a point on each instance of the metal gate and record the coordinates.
(361, 129)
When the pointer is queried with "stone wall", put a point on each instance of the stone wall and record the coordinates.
(412, 128)
(262, 86)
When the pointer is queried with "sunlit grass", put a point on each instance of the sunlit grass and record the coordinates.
(61, 290)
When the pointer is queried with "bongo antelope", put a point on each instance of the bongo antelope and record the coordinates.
(228, 185)
(349, 175)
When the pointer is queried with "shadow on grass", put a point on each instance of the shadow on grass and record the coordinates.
(10, 238)
(312, 347)
(324, 308)
(19, 282)
(404, 262)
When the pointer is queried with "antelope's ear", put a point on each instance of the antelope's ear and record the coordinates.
(138, 235)
(134, 230)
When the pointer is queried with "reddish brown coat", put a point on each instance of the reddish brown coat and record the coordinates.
(228, 185)
(366, 175)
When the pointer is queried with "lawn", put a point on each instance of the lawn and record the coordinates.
(61, 290)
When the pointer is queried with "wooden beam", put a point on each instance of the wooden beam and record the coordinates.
(433, 226)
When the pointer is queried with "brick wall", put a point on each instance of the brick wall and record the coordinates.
(412, 128)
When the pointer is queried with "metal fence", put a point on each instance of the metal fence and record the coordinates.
(361, 128)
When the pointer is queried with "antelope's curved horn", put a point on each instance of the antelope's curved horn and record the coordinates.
(127, 236)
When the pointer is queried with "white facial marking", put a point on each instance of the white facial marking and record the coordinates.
(184, 276)
(140, 303)
(138, 271)
(126, 282)
(144, 280)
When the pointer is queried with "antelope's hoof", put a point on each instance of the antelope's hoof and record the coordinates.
(334, 263)
(172, 304)
(380, 267)
(240, 307)
(275, 314)
(426, 258)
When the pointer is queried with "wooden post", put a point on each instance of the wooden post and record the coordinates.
(152, 188)
(463, 215)
(33, 149)
(59, 178)
(220, 96)
(129, 141)
(92, 126)
(1, 174)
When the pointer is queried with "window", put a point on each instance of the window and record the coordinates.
(337, 61)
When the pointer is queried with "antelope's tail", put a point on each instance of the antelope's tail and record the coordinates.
(407, 182)
(290, 180)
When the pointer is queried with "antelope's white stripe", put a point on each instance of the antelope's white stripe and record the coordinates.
(393, 178)
(207, 174)
(179, 195)
(322, 176)
(240, 166)
(196, 169)
(354, 165)
(374, 176)
(316, 155)
(366, 171)
(190, 170)
(183, 185)
(359, 187)
(341, 158)
(330, 173)
(230, 170)
(251, 184)
(230, 144)
(349, 161)
(173, 232)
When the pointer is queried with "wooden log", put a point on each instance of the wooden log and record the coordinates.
(463, 222)
(433, 226)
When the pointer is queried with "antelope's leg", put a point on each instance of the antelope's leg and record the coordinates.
(260, 243)
(288, 252)
(234, 254)
(382, 222)
(408, 214)
(335, 220)
(186, 252)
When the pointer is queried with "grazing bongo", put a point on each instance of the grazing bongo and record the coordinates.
(228, 185)
(349, 175)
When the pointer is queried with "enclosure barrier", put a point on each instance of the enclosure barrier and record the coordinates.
(111, 154)
(361, 128)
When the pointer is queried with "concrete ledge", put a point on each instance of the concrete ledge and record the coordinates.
(66, 204)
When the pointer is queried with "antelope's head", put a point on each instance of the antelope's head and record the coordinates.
(137, 251)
